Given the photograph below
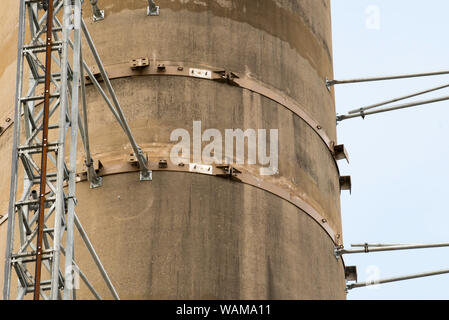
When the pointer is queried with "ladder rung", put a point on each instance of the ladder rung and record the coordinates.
(31, 259)
(31, 202)
(57, 45)
(30, 254)
(51, 147)
(37, 98)
(52, 178)
(45, 286)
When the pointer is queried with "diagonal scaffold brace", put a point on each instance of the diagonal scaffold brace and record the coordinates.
(44, 154)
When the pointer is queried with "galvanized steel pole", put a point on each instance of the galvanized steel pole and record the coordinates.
(410, 277)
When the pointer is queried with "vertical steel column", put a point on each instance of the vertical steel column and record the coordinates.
(69, 256)
(60, 165)
(15, 156)
(46, 217)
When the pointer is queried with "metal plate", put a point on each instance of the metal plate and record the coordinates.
(201, 168)
(200, 73)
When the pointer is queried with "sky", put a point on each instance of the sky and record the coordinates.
(399, 161)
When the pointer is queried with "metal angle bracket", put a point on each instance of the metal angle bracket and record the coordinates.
(152, 9)
(229, 172)
(340, 152)
(98, 14)
(147, 177)
(97, 183)
(351, 273)
(228, 77)
(140, 63)
(337, 251)
(345, 183)
(329, 84)
(145, 173)
(92, 171)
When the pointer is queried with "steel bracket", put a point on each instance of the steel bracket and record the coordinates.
(228, 77)
(152, 9)
(163, 164)
(98, 14)
(95, 180)
(96, 183)
(139, 63)
(329, 83)
(338, 251)
(345, 183)
(228, 172)
(351, 273)
(340, 153)
(146, 177)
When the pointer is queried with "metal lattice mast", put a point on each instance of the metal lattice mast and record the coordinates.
(45, 128)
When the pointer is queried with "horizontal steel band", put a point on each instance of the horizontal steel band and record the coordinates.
(242, 177)
(220, 171)
(179, 69)
(118, 71)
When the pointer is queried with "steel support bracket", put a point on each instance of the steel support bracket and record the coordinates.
(43, 5)
(140, 63)
(97, 182)
(229, 172)
(152, 9)
(329, 83)
(228, 77)
(146, 176)
(338, 251)
(145, 173)
(98, 14)
(163, 164)
(93, 168)
(340, 153)
(345, 183)
(351, 273)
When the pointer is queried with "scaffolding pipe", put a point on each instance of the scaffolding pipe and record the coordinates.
(14, 166)
(95, 257)
(397, 99)
(410, 277)
(94, 179)
(143, 162)
(403, 106)
(377, 245)
(330, 83)
(367, 249)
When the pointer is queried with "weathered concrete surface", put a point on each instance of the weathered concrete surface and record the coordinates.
(193, 237)
(207, 238)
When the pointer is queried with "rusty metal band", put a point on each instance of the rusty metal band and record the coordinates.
(179, 69)
(123, 70)
(126, 167)
(226, 172)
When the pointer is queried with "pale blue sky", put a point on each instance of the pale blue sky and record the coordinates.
(399, 160)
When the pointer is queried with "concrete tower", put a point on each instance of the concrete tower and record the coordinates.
(193, 233)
